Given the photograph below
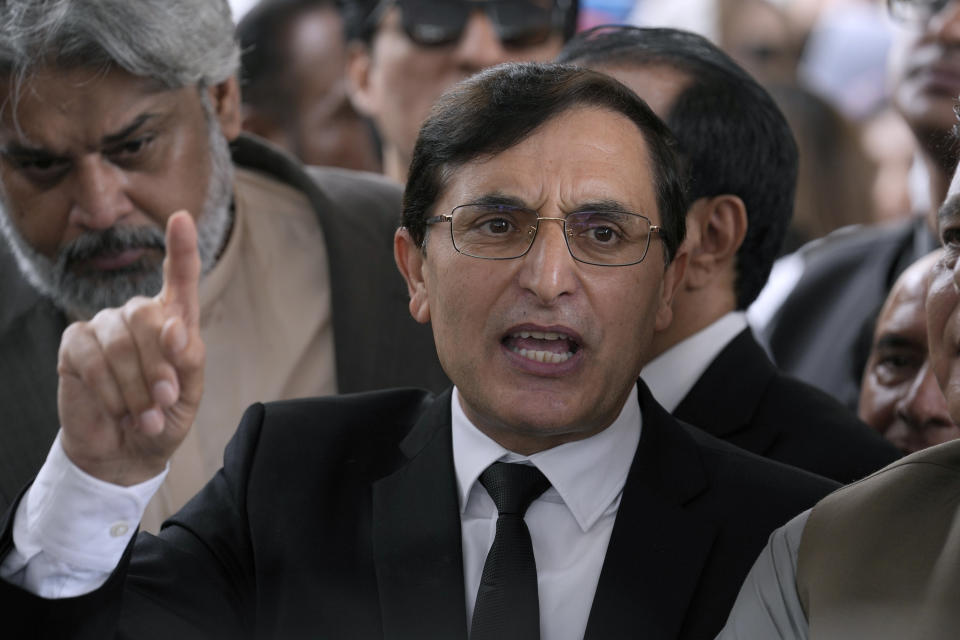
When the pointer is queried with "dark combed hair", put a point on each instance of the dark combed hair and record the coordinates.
(732, 136)
(359, 26)
(263, 38)
(502, 106)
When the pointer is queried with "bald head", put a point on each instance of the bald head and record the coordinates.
(899, 395)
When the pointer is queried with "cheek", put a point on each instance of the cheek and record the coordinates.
(40, 216)
(877, 404)
(180, 181)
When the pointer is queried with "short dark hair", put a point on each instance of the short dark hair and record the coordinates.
(264, 43)
(732, 135)
(358, 26)
(502, 106)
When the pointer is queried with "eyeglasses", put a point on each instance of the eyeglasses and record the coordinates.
(915, 12)
(505, 232)
(518, 23)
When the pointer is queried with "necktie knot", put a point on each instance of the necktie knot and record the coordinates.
(513, 486)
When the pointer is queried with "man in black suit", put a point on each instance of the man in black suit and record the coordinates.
(540, 238)
(706, 367)
(85, 228)
(814, 332)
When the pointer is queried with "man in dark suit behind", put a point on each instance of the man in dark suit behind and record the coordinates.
(846, 276)
(540, 237)
(707, 368)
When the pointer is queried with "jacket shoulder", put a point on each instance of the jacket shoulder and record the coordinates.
(753, 482)
(818, 433)
(359, 192)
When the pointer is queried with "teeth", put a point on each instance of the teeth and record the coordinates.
(544, 356)
(540, 335)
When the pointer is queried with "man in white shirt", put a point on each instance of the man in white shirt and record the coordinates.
(707, 368)
(540, 240)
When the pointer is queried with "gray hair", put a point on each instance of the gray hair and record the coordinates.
(178, 43)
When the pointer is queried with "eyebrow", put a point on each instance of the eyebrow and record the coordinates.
(22, 151)
(608, 206)
(499, 199)
(895, 341)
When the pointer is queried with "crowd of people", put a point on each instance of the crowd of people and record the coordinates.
(504, 306)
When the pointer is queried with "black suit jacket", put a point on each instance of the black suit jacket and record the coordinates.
(743, 399)
(814, 335)
(338, 518)
(376, 342)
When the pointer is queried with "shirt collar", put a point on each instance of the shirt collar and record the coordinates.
(672, 374)
(588, 475)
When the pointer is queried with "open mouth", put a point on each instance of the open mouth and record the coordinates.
(549, 347)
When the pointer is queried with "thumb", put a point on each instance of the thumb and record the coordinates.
(181, 270)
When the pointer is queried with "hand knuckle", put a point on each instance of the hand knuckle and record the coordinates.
(118, 345)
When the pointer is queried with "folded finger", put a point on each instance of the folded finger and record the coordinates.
(144, 318)
(81, 356)
(123, 359)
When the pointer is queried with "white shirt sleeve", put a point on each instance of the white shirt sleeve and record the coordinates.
(768, 606)
(71, 529)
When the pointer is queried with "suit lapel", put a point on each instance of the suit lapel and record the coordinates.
(657, 548)
(416, 536)
(725, 398)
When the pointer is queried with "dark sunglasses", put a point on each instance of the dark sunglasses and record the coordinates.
(915, 11)
(518, 23)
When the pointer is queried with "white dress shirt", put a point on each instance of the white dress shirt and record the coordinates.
(70, 529)
(570, 524)
(672, 374)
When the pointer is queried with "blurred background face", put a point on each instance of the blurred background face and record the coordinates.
(295, 88)
(325, 128)
(396, 79)
(900, 397)
(925, 67)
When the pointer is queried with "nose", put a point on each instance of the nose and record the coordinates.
(479, 47)
(945, 24)
(548, 270)
(98, 193)
(923, 406)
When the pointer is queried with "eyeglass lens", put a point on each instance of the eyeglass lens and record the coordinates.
(915, 11)
(518, 23)
(503, 232)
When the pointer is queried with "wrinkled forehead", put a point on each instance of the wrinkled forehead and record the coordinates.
(582, 154)
(905, 306)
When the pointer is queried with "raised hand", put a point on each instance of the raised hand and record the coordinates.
(131, 378)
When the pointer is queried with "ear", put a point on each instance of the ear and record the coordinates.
(672, 277)
(410, 260)
(359, 86)
(719, 225)
(225, 98)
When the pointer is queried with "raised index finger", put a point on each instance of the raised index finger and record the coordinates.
(181, 270)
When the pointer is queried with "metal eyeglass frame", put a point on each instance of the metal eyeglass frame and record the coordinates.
(567, 234)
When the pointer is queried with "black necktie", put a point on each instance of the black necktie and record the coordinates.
(507, 605)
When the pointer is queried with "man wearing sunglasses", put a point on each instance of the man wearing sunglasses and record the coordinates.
(404, 53)
(814, 333)
(546, 495)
